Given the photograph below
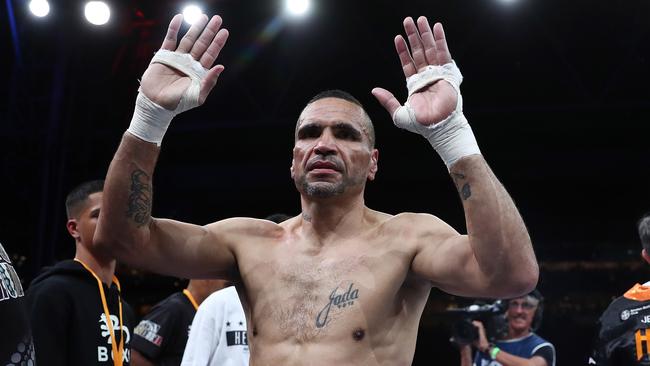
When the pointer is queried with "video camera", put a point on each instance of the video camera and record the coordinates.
(491, 315)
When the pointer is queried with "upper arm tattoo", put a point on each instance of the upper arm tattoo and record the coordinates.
(139, 202)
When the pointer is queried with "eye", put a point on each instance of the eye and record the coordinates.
(309, 132)
(345, 132)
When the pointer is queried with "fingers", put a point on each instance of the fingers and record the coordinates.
(169, 43)
(386, 99)
(192, 35)
(426, 46)
(209, 82)
(426, 35)
(208, 57)
(405, 56)
(206, 37)
(417, 49)
(444, 56)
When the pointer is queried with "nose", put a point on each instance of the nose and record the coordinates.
(325, 145)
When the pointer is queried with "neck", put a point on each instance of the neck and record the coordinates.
(338, 216)
(199, 293)
(514, 333)
(103, 268)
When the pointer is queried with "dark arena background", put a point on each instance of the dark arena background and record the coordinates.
(556, 92)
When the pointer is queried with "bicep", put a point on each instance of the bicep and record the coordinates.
(539, 361)
(445, 257)
(544, 356)
(191, 251)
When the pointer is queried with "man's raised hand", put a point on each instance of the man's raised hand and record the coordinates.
(434, 107)
(428, 47)
(179, 77)
(165, 85)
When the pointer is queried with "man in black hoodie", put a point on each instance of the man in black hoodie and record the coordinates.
(77, 313)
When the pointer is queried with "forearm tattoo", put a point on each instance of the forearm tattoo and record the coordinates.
(464, 190)
(340, 300)
(139, 203)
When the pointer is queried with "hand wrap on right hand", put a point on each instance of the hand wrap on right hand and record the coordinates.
(150, 120)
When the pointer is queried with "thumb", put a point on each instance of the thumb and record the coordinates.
(386, 99)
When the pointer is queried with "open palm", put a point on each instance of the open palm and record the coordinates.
(204, 40)
(427, 47)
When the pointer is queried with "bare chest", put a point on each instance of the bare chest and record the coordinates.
(331, 294)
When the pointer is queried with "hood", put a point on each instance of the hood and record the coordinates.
(67, 267)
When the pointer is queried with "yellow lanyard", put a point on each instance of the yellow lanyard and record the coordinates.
(117, 352)
(189, 296)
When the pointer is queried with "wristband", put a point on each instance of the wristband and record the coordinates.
(452, 138)
(494, 352)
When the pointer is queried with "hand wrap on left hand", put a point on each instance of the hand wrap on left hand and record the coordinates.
(452, 138)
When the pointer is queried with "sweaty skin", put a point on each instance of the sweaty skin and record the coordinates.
(340, 283)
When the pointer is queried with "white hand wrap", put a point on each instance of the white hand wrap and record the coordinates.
(150, 120)
(452, 138)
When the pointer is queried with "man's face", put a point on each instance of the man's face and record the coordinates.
(82, 227)
(521, 312)
(332, 153)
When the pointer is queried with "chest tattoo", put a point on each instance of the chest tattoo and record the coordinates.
(339, 297)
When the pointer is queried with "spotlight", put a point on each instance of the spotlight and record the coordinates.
(39, 8)
(297, 7)
(192, 13)
(97, 12)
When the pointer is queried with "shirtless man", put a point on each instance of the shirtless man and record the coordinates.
(340, 284)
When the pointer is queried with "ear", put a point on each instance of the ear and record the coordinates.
(645, 255)
(71, 225)
(291, 169)
(374, 164)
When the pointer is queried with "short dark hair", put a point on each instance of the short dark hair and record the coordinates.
(644, 231)
(342, 94)
(79, 195)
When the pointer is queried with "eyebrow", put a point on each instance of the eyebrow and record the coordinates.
(339, 126)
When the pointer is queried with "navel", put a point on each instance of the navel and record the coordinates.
(358, 334)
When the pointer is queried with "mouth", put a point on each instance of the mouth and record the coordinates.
(323, 167)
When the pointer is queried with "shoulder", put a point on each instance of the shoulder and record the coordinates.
(169, 308)
(173, 301)
(539, 342)
(623, 308)
(57, 285)
(417, 225)
(248, 227)
(220, 298)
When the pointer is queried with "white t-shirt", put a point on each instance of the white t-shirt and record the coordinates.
(218, 332)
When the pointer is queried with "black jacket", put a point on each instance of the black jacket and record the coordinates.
(68, 321)
(162, 334)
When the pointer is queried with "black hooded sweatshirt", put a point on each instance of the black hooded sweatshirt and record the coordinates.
(68, 321)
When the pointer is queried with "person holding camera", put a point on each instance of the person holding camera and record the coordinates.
(521, 346)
